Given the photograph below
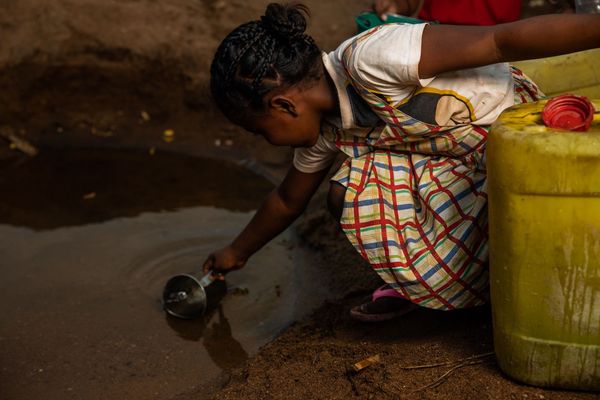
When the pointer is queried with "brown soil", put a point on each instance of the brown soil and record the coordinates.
(81, 72)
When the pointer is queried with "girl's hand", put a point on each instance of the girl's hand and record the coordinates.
(223, 261)
(408, 8)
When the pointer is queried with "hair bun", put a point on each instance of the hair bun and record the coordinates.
(285, 21)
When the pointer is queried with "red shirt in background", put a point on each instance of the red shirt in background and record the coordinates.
(471, 12)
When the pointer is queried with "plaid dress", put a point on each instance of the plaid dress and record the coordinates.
(416, 205)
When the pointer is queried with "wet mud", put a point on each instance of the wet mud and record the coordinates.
(82, 186)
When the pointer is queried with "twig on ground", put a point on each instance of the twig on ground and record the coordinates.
(448, 363)
(443, 377)
(17, 141)
(456, 364)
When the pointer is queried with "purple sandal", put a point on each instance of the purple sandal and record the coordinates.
(385, 304)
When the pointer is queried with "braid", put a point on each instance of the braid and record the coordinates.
(265, 53)
(260, 56)
(251, 38)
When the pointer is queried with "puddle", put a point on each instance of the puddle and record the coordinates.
(82, 277)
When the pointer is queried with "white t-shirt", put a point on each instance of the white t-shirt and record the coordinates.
(387, 61)
(315, 158)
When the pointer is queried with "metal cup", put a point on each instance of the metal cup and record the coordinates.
(186, 296)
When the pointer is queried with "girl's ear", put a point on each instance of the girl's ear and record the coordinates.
(285, 104)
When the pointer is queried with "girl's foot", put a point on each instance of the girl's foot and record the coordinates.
(386, 303)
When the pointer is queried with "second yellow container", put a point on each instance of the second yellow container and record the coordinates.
(577, 73)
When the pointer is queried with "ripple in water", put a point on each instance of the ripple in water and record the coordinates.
(82, 278)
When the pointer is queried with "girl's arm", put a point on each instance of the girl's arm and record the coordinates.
(281, 207)
(449, 48)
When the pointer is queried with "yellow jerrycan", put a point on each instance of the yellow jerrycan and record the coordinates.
(544, 210)
(577, 73)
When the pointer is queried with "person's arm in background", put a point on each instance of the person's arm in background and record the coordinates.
(455, 12)
(408, 8)
(449, 48)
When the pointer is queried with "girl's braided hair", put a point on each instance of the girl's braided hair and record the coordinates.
(259, 56)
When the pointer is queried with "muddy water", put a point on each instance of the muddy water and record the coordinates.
(89, 239)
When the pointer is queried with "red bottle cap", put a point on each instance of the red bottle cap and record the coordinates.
(570, 112)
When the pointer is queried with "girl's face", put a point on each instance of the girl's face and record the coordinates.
(286, 129)
(295, 114)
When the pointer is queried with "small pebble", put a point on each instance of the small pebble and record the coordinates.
(169, 135)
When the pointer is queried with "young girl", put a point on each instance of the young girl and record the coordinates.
(410, 105)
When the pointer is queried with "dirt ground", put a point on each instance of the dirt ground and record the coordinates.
(88, 73)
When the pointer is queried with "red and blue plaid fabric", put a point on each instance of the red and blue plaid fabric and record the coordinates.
(416, 202)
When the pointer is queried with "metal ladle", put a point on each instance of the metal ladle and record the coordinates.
(186, 296)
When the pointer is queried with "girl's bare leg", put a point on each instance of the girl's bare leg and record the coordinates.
(335, 199)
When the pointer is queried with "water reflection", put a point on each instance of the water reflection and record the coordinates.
(192, 329)
(224, 350)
